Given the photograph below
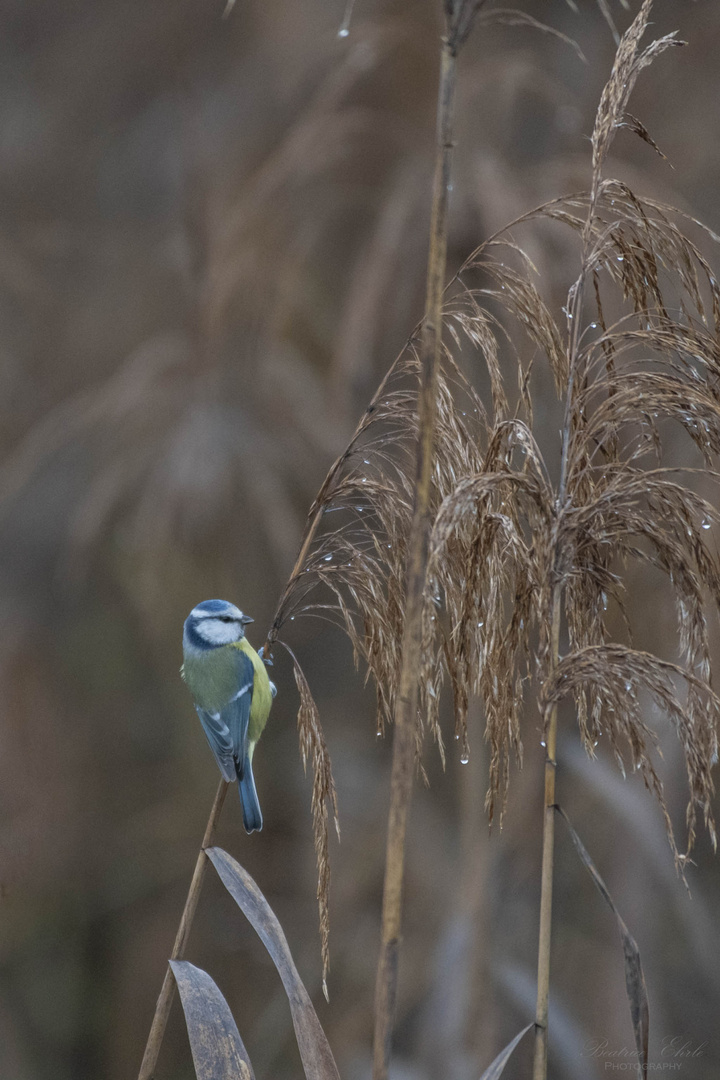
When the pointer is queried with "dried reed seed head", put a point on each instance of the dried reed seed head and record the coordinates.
(617, 674)
(314, 748)
(629, 62)
(505, 540)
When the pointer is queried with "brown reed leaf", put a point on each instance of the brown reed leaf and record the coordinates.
(315, 1052)
(217, 1049)
(634, 977)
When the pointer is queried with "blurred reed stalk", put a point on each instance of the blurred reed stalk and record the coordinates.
(403, 760)
(459, 15)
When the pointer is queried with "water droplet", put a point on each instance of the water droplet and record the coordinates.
(344, 32)
(706, 524)
(292, 618)
(604, 601)
(456, 735)
(621, 258)
(542, 742)
(328, 558)
(464, 757)
(365, 461)
(628, 687)
(379, 732)
(481, 623)
(593, 326)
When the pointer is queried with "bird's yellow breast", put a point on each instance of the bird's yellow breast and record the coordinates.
(261, 696)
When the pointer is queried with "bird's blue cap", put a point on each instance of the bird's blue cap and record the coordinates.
(213, 606)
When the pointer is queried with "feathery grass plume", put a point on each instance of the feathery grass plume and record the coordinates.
(312, 745)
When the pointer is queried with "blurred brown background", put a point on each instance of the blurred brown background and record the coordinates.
(212, 238)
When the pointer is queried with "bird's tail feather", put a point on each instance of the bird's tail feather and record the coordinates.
(252, 816)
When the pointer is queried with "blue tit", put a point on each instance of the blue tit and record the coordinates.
(232, 693)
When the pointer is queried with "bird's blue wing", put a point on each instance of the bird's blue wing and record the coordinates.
(236, 714)
(221, 744)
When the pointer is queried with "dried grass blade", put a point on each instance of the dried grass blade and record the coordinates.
(494, 1070)
(634, 978)
(217, 1049)
(315, 1052)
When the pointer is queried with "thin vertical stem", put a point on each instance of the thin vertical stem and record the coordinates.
(167, 993)
(403, 762)
(546, 886)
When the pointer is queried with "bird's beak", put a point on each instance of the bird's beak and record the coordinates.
(246, 619)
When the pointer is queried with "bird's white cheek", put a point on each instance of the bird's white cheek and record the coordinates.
(217, 633)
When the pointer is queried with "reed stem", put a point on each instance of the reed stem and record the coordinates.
(167, 992)
(405, 718)
(546, 886)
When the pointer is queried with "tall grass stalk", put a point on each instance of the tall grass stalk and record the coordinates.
(403, 760)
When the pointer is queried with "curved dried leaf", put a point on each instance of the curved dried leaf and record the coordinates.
(634, 977)
(217, 1049)
(495, 1069)
(315, 1052)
